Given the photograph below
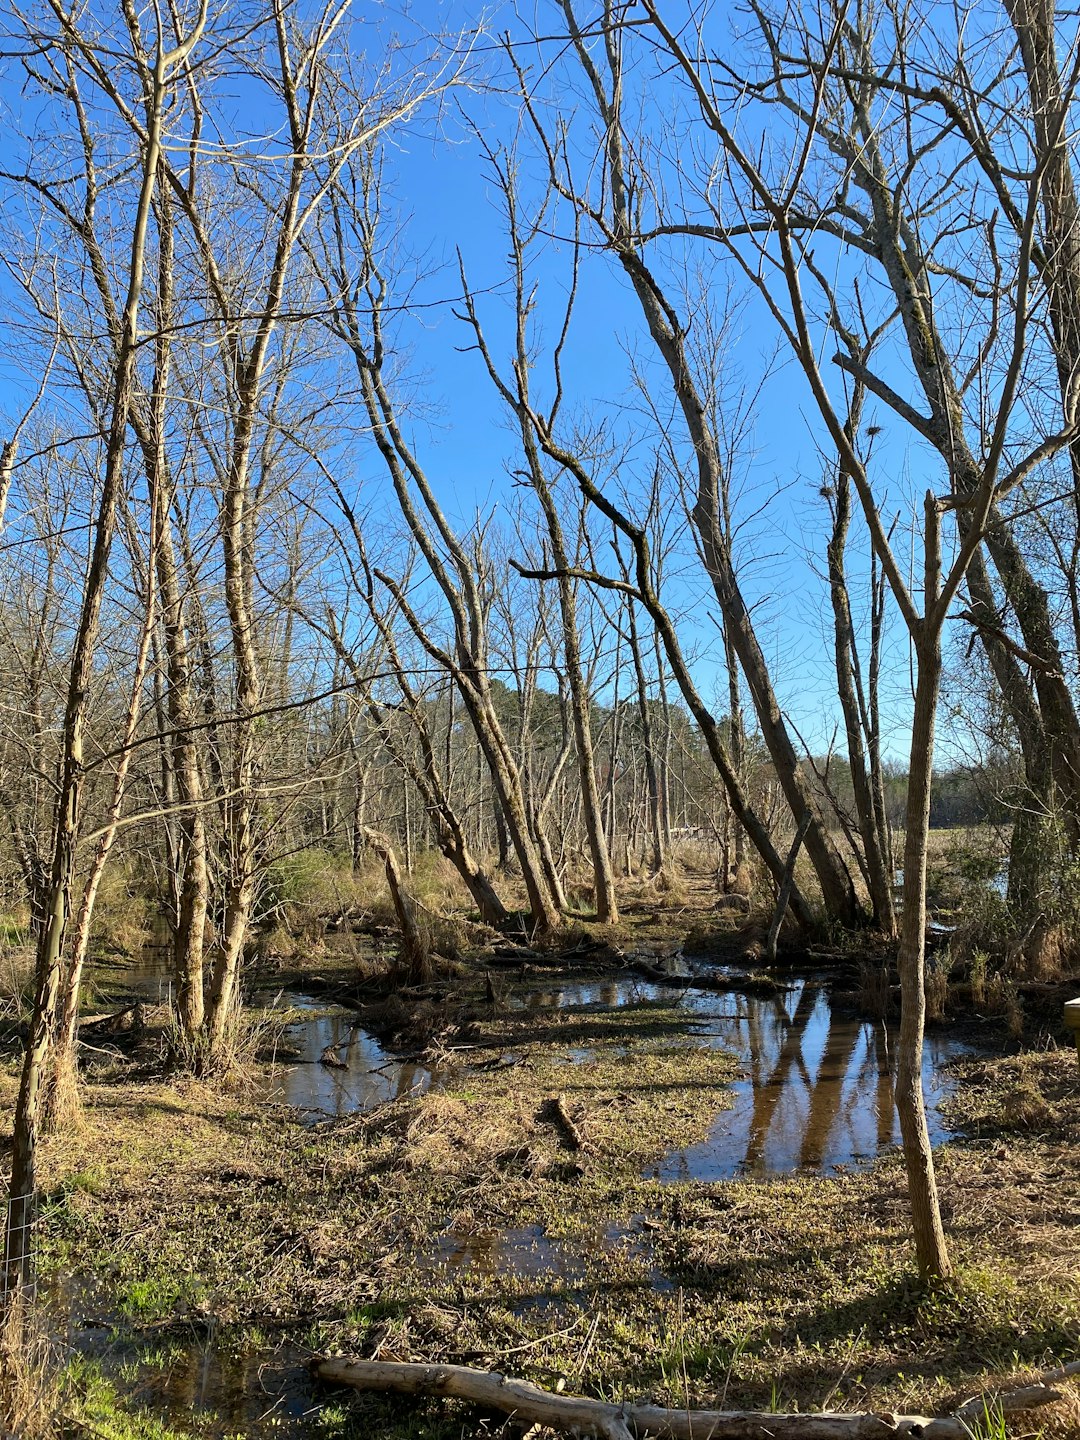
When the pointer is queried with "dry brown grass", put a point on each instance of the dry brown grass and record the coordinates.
(16, 980)
(937, 991)
(457, 1136)
(30, 1399)
(874, 983)
(1061, 1421)
(1049, 955)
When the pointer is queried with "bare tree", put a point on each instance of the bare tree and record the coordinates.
(612, 218)
(451, 564)
(155, 69)
(516, 393)
(834, 105)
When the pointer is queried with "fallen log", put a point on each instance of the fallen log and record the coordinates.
(721, 984)
(555, 1110)
(531, 1405)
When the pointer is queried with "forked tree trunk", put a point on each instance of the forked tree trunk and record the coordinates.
(879, 880)
(192, 879)
(669, 336)
(517, 397)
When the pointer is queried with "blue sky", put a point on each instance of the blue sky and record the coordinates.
(448, 201)
(445, 200)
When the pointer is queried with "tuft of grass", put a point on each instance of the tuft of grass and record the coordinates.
(95, 1407)
(30, 1397)
(16, 979)
(937, 990)
(874, 989)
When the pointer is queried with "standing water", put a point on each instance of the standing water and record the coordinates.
(816, 1092)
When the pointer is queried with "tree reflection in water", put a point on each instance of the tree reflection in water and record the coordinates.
(816, 1092)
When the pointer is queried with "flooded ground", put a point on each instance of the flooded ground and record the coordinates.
(815, 1094)
(336, 1067)
(195, 1378)
(817, 1087)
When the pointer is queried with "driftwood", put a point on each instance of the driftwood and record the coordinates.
(575, 1413)
(115, 1022)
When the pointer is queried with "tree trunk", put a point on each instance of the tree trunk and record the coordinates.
(878, 878)
(60, 1095)
(931, 1251)
(415, 950)
(659, 855)
(18, 1251)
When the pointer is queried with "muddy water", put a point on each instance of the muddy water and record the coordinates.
(194, 1379)
(335, 1067)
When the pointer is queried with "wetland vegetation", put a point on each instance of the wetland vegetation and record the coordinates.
(540, 737)
(723, 1219)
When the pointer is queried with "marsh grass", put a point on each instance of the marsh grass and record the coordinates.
(16, 980)
(874, 989)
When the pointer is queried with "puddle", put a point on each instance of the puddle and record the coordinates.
(816, 1092)
(525, 1251)
(221, 1390)
(528, 1252)
(366, 1075)
(147, 976)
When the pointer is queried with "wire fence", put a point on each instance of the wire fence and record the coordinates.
(18, 1270)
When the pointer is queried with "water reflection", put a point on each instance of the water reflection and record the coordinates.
(597, 994)
(364, 1076)
(816, 1093)
(224, 1389)
(524, 1250)
(528, 1252)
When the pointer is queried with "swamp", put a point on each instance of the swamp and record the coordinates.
(540, 720)
(654, 1168)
